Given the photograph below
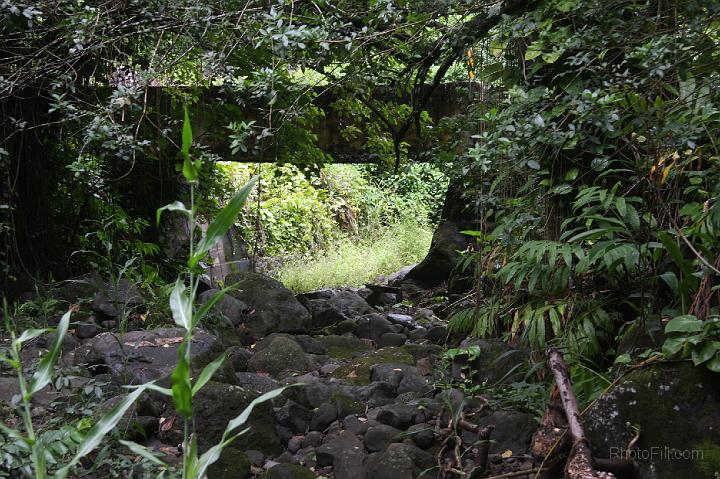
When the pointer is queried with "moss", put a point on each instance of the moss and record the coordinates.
(343, 347)
(233, 464)
(357, 371)
(346, 405)
(289, 471)
(709, 462)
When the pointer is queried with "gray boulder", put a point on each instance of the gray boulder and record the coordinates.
(273, 307)
(399, 461)
(513, 431)
(226, 307)
(276, 354)
(141, 356)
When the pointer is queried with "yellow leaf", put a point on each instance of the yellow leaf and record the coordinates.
(665, 174)
(507, 454)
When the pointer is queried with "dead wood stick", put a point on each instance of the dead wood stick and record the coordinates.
(580, 461)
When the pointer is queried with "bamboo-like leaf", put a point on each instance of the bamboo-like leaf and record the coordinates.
(181, 389)
(213, 454)
(181, 306)
(207, 306)
(222, 223)
(106, 424)
(207, 374)
(243, 417)
(176, 206)
(30, 334)
(143, 451)
(190, 169)
(43, 375)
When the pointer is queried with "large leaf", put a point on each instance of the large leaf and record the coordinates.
(222, 223)
(705, 351)
(181, 306)
(43, 375)
(687, 323)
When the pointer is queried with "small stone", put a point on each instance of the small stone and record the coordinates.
(312, 439)
(380, 436)
(256, 458)
(323, 417)
(295, 444)
(86, 330)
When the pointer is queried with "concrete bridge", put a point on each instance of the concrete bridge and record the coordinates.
(214, 111)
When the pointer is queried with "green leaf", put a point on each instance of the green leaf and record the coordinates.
(207, 306)
(225, 219)
(621, 206)
(623, 359)
(534, 50)
(672, 346)
(181, 389)
(30, 334)
(176, 206)
(704, 351)
(143, 451)
(552, 56)
(181, 306)
(673, 250)
(207, 374)
(190, 169)
(714, 364)
(671, 280)
(106, 424)
(43, 375)
(687, 323)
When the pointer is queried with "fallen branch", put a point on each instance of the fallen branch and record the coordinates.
(580, 463)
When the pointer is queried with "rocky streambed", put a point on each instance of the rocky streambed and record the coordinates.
(374, 399)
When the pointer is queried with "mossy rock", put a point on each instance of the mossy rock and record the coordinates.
(289, 471)
(677, 410)
(216, 404)
(343, 347)
(233, 464)
(346, 405)
(357, 371)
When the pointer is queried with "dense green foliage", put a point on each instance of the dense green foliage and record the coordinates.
(294, 213)
(597, 169)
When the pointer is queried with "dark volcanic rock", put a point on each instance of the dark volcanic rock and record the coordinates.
(274, 308)
(378, 437)
(141, 356)
(278, 353)
(444, 255)
(399, 461)
(677, 409)
(513, 431)
(227, 307)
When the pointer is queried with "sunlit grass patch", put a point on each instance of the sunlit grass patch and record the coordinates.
(354, 262)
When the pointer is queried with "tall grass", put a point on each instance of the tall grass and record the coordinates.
(354, 262)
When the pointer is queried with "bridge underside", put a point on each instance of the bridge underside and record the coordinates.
(342, 137)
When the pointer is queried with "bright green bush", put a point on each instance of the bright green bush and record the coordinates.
(303, 214)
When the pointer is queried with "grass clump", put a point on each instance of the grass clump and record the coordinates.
(354, 262)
